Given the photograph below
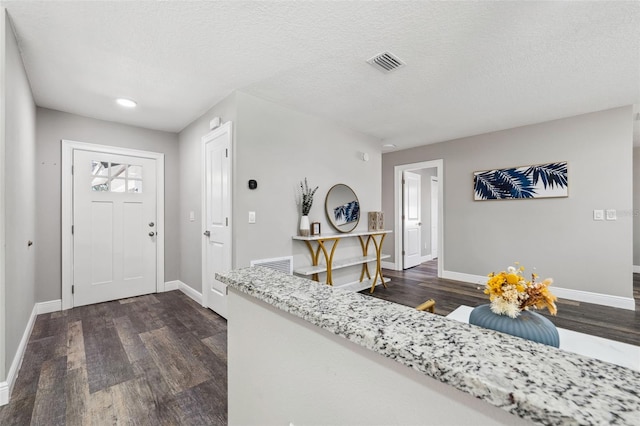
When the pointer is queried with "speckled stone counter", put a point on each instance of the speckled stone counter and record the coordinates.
(533, 381)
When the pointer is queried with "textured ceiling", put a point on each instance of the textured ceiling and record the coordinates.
(472, 67)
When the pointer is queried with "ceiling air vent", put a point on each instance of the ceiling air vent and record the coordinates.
(386, 62)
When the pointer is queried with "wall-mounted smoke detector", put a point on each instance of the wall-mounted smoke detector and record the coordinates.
(386, 62)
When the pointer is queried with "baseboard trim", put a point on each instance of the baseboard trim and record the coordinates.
(636, 269)
(7, 387)
(179, 285)
(389, 265)
(627, 303)
(172, 285)
(426, 258)
(4, 393)
(465, 278)
(195, 295)
(48, 307)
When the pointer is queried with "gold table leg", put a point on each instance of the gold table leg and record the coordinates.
(328, 256)
(315, 255)
(365, 266)
(378, 246)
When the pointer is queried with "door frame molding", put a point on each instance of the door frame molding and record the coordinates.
(397, 185)
(68, 147)
(225, 127)
(432, 180)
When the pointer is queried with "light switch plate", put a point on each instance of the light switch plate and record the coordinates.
(252, 217)
(611, 214)
(598, 215)
(192, 216)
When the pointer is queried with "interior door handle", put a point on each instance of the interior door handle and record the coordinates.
(419, 223)
(151, 234)
(207, 234)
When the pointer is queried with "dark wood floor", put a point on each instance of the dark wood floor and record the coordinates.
(159, 359)
(413, 286)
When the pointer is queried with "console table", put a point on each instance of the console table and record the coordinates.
(327, 243)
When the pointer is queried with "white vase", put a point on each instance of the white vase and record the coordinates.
(305, 229)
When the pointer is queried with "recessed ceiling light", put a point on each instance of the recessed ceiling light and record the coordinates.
(388, 146)
(126, 102)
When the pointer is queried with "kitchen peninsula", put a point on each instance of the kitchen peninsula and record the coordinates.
(305, 353)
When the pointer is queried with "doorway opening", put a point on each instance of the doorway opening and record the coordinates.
(419, 214)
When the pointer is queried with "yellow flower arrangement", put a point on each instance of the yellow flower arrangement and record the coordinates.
(510, 293)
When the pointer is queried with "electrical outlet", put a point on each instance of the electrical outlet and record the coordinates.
(598, 215)
(252, 217)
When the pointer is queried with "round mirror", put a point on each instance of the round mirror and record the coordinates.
(343, 208)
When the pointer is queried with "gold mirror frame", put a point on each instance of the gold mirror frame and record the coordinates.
(342, 208)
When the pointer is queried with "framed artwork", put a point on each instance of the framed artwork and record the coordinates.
(315, 228)
(347, 213)
(536, 181)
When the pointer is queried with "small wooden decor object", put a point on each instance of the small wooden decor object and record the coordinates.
(376, 221)
(315, 228)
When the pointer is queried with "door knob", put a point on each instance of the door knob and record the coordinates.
(151, 224)
(207, 234)
(151, 234)
(419, 223)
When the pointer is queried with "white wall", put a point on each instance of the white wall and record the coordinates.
(557, 236)
(283, 370)
(278, 147)
(19, 197)
(52, 127)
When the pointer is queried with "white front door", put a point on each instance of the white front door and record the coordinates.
(412, 224)
(216, 216)
(114, 226)
(434, 217)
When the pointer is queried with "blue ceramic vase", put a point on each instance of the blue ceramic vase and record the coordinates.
(528, 325)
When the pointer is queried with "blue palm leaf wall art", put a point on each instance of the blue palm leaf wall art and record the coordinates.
(552, 174)
(536, 181)
(347, 213)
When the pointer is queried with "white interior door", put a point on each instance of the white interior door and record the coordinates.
(217, 216)
(411, 223)
(434, 217)
(114, 226)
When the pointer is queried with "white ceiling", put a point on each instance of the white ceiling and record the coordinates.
(472, 67)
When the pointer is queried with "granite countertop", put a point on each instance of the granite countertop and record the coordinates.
(536, 382)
